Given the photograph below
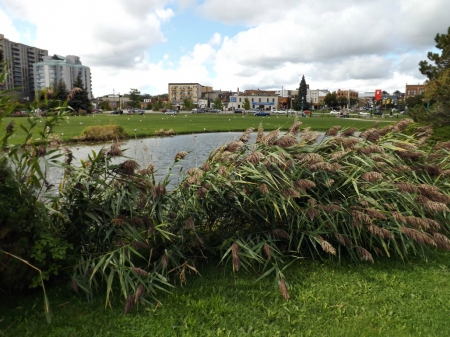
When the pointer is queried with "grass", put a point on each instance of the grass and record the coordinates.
(185, 123)
(389, 298)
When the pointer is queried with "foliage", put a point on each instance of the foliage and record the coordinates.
(246, 104)
(413, 101)
(157, 105)
(218, 104)
(331, 99)
(103, 133)
(78, 96)
(134, 98)
(438, 90)
(60, 93)
(188, 104)
(342, 101)
(25, 231)
(441, 61)
(105, 106)
(301, 96)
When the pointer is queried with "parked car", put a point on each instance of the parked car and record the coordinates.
(117, 112)
(278, 111)
(239, 111)
(262, 113)
(292, 111)
(163, 110)
(214, 110)
(171, 112)
(334, 112)
(363, 113)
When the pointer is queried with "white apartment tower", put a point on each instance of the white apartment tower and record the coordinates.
(54, 68)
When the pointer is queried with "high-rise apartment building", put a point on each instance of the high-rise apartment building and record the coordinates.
(54, 68)
(19, 58)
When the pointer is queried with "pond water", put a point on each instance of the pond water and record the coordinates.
(159, 151)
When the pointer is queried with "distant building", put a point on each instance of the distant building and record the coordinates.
(179, 91)
(316, 97)
(54, 68)
(257, 99)
(20, 59)
(414, 89)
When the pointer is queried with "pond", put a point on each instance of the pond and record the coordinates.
(159, 151)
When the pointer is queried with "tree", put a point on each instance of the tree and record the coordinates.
(78, 96)
(301, 97)
(188, 104)
(134, 97)
(353, 101)
(331, 99)
(105, 106)
(157, 105)
(441, 61)
(246, 105)
(60, 91)
(342, 101)
(218, 104)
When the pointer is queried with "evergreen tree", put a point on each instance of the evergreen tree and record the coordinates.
(78, 96)
(441, 61)
(301, 97)
(60, 91)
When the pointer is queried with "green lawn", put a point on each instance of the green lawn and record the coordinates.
(388, 298)
(145, 125)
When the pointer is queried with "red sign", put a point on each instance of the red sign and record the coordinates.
(378, 94)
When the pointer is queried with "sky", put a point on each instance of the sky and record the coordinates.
(361, 45)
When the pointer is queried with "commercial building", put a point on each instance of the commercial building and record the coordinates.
(20, 59)
(263, 100)
(414, 89)
(54, 68)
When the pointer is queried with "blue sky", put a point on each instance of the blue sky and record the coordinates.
(265, 44)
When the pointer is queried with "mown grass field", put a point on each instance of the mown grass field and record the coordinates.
(328, 298)
(184, 123)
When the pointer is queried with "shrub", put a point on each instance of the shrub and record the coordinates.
(103, 133)
(257, 206)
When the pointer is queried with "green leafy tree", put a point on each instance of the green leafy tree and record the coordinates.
(353, 101)
(301, 97)
(246, 104)
(78, 96)
(413, 101)
(441, 61)
(331, 99)
(158, 105)
(134, 97)
(188, 104)
(342, 101)
(218, 104)
(105, 106)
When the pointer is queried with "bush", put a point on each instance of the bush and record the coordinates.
(103, 133)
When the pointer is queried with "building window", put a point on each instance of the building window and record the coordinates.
(239, 99)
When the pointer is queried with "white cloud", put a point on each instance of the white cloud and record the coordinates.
(7, 28)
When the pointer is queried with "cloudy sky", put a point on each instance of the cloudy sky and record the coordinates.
(228, 44)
